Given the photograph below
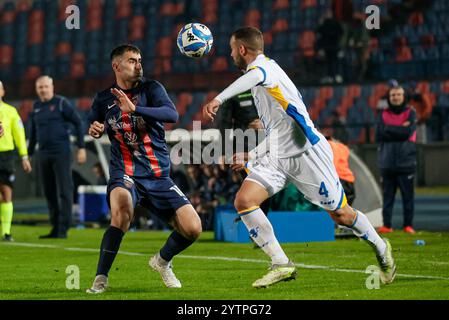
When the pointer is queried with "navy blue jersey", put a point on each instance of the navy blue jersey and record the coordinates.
(138, 146)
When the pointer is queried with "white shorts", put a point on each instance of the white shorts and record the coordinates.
(312, 172)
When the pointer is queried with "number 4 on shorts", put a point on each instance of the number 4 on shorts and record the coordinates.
(323, 191)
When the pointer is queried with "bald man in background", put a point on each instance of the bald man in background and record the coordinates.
(49, 127)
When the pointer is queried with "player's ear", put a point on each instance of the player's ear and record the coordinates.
(242, 50)
(115, 65)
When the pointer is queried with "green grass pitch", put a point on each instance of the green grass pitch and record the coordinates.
(36, 269)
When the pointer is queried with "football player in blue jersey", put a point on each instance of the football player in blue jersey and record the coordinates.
(133, 112)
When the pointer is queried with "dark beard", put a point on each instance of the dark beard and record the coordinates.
(240, 63)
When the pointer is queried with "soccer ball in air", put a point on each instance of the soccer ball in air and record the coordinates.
(195, 40)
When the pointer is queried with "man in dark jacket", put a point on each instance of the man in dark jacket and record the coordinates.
(396, 134)
(49, 127)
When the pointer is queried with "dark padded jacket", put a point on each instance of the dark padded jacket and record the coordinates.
(397, 143)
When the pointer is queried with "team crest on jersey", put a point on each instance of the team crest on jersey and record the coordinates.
(130, 137)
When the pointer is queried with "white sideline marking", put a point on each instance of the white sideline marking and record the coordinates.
(300, 265)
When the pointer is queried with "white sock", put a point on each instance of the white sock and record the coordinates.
(364, 229)
(261, 231)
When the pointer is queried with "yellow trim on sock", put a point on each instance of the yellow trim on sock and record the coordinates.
(248, 210)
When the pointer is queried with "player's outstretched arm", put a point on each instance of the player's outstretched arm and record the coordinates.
(249, 80)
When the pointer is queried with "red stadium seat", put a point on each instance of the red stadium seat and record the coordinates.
(23, 6)
(137, 28)
(308, 4)
(167, 9)
(354, 91)
(77, 70)
(252, 18)
(403, 54)
(445, 87)
(267, 38)
(427, 41)
(281, 25)
(281, 4)
(8, 17)
(63, 4)
(220, 64)
(165, 47)
(162, 65)
(63, 48)
(84, 103)
(123, 9)
(416, 18)
(306, 41)
(32, 73)
(6, 55)
(36, 33)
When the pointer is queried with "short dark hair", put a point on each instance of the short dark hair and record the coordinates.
(251, 37)
(121, 49)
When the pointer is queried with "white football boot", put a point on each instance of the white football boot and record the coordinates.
(165, 269)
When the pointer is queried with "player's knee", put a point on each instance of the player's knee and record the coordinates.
(121, 219)
(342, 216)
(243, 202)
(193, 233)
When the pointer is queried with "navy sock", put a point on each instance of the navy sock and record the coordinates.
(174, 245)
(108, 249)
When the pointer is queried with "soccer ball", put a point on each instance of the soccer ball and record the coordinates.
(195, 40)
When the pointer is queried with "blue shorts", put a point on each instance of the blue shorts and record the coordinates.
(160, 195)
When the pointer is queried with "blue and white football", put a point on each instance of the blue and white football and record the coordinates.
(195, 40)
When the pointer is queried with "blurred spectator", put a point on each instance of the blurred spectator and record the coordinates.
(423, 106)
(97, 169)
(341, 163)
(338, 125)
(329, 34)
(358, 42)
(396, 135)
(382, 104)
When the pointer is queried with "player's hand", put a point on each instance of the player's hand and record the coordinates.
(96, 129)
(210, 109)
(81, 156)
(256, 124)
(239, 160)
(26, 165)
(123, 101)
